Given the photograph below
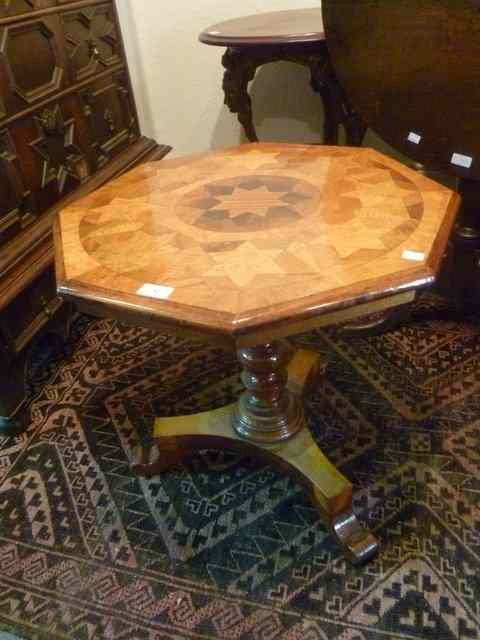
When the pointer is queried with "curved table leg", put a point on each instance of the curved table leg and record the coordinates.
(239, 72)
(240, 68)
(321, 82)
(177, 438)
(337, 108)
(355, 129)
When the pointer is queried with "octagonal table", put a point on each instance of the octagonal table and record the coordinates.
(245, 247)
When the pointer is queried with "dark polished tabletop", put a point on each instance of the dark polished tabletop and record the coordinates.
(412, 70)
(295, 26)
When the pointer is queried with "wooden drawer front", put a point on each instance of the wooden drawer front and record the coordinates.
(92, 41)
(41, 56)
(109, 106)
(10, 8)
(47, 155)
(16, 204)
(36, 301)
(53, 151)
(33, 64)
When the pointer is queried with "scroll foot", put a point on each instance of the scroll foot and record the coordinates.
(359, 544)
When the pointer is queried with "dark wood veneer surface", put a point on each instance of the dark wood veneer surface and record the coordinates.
(412, 67)
(297, 26)
(412, 70)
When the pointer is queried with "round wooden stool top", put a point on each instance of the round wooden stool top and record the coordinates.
(296, 26)
(253, 239)
(412, 69)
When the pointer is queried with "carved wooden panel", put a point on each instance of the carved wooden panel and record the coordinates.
(66, 109)
(52, 147)
(109, 108)
(15, 199)
(32, 61)
(92, 40)
(41, 292)
(55, 144)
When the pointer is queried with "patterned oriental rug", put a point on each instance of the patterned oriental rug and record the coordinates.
(225, 547)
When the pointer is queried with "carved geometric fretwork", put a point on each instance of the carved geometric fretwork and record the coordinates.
(109, 117)
(92, 40)
(126, 97)
(32, 76)
(62, 159)
(90, 113)
(14, 197)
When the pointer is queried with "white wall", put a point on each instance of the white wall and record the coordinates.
(177, 80)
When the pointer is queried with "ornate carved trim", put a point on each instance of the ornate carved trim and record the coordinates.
(241, 64)
(57, 71)
(21, 213)
(102, 116)
(62, 159)
(99, 35)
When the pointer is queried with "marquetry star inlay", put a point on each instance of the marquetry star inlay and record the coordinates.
(300, 228)
(242, 204)
(253, 160)
(244, 263)
(257, 201)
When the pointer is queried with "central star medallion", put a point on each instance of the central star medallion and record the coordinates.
(257, 201)
(249, 203)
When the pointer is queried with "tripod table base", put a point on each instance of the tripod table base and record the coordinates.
(179, 437)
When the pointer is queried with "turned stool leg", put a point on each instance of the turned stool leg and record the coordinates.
(267, 412)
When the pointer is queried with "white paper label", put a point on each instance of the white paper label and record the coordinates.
(414, 137)
(416, 256)
(461, 160)
(155, 291)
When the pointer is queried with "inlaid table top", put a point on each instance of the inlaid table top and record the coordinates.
(294, 26)
(252, 238)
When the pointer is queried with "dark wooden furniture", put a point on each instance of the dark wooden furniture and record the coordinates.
(295, 36)
(411, 69)
(67, 125)
(245, 247)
